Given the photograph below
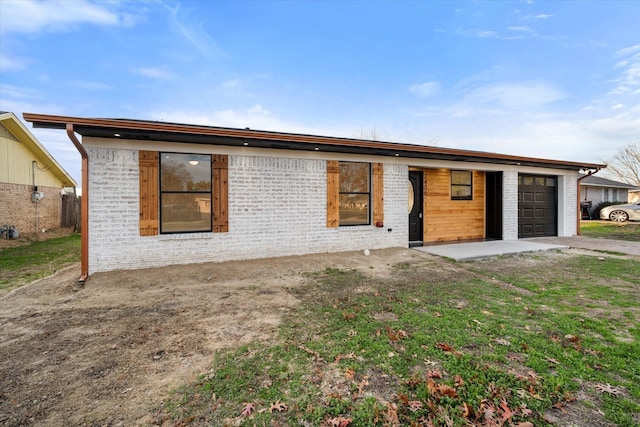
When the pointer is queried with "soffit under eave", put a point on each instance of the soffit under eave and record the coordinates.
(152, 131)
(302, 146)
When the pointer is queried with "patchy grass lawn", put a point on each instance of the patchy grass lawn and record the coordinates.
(23, 264)
(518, 341)
(629, 231)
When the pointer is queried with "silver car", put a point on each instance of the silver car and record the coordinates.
(621, 213)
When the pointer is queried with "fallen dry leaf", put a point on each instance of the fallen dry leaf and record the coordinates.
(278, 407)
(507, 413)
(467, 410)
(248, 408)
(447, 390)
(459, 382)
(608, 389)
(444, 347)
(415, 405)
(435, 373)
(314, 353)
(348, 316)
(337, 422)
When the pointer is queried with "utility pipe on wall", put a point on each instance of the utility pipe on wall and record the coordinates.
(34, 197)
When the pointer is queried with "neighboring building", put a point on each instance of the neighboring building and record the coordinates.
(31, 181)
(159, 193)
(634, 196)
(595, 190)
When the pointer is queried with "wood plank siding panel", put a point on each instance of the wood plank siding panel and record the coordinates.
(333, 193)
(149, 188)
(220, 174)
(378, 194)
(451, 220)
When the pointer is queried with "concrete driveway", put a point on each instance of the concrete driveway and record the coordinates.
(629, 248)
(477, 250)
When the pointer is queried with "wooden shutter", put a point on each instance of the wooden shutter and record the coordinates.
(333, 193)
(220, 173)
(378, 194)
(149, 188)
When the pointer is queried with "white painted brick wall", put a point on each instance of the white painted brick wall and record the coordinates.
(277, 207)
(510, 205)
(568, 205)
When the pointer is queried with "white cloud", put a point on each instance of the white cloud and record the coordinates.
(543, 16)
(255, 117)
(32, 16)
(9, 63)
(89, 85)
(154, 73)
(486, 33)
(629, 50)
(425, 90)
(231, 84)
(14, 92)
(194, 32)
(522, 29)
(623, 127)
(514, 95)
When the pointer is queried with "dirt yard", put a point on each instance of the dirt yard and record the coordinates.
(108, 353)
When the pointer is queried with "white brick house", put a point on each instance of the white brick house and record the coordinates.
(158, 194)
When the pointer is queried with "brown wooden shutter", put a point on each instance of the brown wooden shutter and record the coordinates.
(220, 172)
(149, 188)
(378, 193)
(333, 193)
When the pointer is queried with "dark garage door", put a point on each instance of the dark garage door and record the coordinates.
(537, 206)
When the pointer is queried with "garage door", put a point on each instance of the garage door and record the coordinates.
(537, 206)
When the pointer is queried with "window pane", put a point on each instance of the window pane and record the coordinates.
(540, 181)
(551, 182)
(460, 192)
(354, 177)
(185, 172)
(354, 209)
(461, 177)
(185, 212)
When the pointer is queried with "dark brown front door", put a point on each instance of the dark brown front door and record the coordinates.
(537, 206)
(493, 193)
(415, 208)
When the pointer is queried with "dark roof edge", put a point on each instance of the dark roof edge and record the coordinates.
(60, 122)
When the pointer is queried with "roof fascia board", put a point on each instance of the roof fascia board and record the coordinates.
(156, 130)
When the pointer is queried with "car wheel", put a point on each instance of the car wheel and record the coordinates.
(618, 216)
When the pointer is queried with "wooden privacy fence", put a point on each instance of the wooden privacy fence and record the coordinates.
(70, 214)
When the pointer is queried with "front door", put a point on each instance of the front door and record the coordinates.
(415, 208)
(493, 223)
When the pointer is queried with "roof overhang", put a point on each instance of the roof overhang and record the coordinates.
(198, 134)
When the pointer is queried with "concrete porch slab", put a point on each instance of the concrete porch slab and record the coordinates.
(478, 250)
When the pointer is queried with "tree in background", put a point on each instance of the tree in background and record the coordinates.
(625, 165)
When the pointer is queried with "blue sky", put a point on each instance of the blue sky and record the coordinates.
(552, 79)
